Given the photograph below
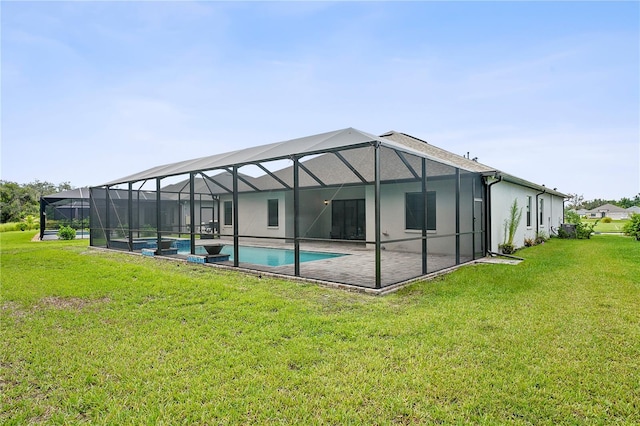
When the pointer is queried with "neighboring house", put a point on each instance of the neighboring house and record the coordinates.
(581, 212)
(397, 205)
(608, 210)
(633, 210)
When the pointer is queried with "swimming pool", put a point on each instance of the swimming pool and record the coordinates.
(270, 256)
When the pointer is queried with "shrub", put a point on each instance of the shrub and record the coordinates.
(606, 220)
(31, 222)
(572, 217)
(22, 226)
(9, 226)
(529, 242)
(583, 230)
(632, 227)
(541, 238)
(66, 233)
(507, 248)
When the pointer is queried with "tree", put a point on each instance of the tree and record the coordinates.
(18, 201)
(10, 201)
(632, 227)
(625, 202)
(575, 201)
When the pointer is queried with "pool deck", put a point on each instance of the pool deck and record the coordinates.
(356, 268)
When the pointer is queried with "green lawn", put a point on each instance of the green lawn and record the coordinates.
(89, 336)
(613, 226)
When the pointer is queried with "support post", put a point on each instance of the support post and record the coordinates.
(296, 218)
(376, 166)
(424, 216)
(473, 218)
(192, 212)
(236, 239)
(107, 216)
(158, 216)
(457, 216)
(43, 217)
(130, 215)
(92, 208)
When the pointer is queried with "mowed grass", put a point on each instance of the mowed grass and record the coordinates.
(109, 338)
(613, 226)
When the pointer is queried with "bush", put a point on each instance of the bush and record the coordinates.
(632, 227)
(66, 233)
(541, 238)
(606, 220)
(529, 242)
(507, 248)
(9, 226)
(583, 230)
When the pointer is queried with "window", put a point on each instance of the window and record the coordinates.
(541, 212)
(529, 210)
(272, 212)
(414, 210)
(228, 212)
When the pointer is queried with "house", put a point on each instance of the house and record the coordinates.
(608, 210)
(369, 211)
(633, 210)
(581, 212)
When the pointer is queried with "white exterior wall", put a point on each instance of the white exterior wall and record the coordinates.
(315, 216)
(618, 215)
(392, 217)
(252, 215)
(502, 196)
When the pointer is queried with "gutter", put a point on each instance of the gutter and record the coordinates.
(488, 212)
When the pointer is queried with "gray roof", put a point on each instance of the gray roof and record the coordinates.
(608, 208)
(352, 165)
(435, 152)
(78, 193)
(309, 145)
(464, 163)
(279, 150)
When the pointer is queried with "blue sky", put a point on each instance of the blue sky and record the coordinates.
(547, 91)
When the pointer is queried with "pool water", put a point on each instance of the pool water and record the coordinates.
(271, 256)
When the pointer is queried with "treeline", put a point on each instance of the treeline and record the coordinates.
(578, 202)
(17, 201)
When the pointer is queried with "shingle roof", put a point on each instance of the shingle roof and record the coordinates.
(434, 151)
(608, 208)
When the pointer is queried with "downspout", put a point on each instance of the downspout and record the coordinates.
(488, 212)
(538, 211)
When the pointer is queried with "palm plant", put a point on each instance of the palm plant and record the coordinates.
(510, 227)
